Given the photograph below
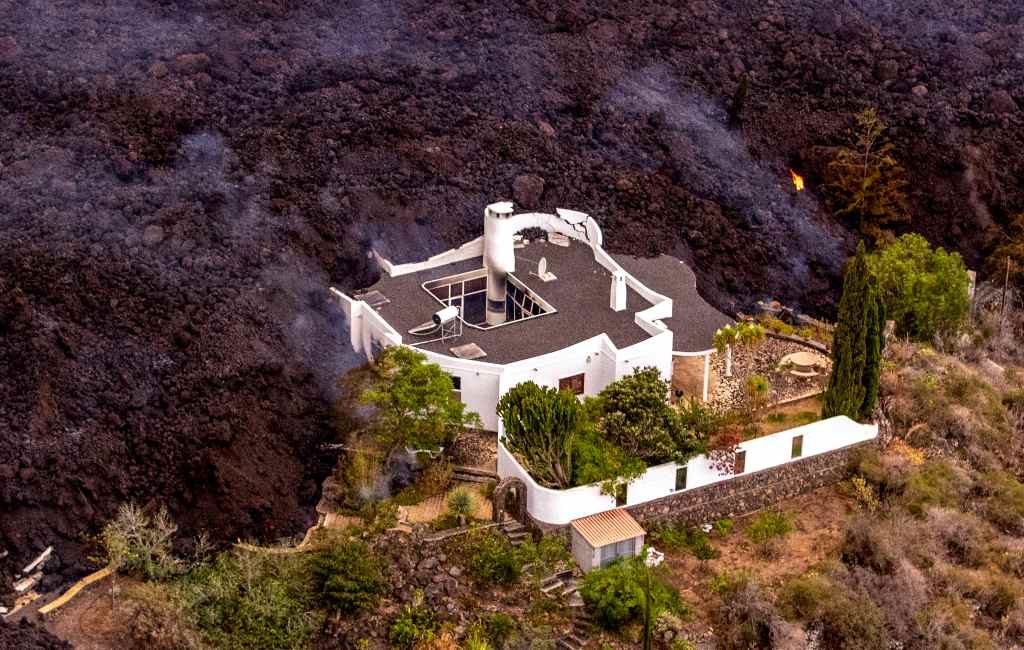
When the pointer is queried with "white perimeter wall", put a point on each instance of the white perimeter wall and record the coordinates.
(559, 507)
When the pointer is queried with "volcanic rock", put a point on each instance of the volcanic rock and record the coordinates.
(192, 63)
(1000, 101)
(527, 190)
(8, 49)
(152, 235)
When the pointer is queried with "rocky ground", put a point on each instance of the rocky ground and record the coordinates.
(180, 181)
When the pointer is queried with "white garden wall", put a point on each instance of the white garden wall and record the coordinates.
(559, 507)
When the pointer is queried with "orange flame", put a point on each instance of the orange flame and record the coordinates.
(798, 181)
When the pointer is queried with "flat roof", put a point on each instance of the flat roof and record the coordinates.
(580, 295)
(694, 321)
(609, 527)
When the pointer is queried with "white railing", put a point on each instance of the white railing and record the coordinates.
(559, 507)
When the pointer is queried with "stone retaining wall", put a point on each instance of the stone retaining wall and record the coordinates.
(748, 493)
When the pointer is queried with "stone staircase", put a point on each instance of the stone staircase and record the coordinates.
(473, 474)
(516, 532)
(582, 629)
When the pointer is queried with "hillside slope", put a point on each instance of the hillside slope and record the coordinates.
(180, 181)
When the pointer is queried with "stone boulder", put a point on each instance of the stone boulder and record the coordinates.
(527, 190)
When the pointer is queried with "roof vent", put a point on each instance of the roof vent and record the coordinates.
(468, 351)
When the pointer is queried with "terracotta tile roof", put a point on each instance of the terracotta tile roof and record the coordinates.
(608, 527)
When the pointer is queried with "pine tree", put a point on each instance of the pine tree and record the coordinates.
(857, 344)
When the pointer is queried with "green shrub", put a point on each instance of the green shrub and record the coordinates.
(476, 639)
(680, 538)
(547, 554)
(408, 496)
(414, 625)
(800, 597)
(729, 582)
(722, 527)
(348, 578)
(1005, 504)
(615, 594)
(494, 560)
(746, 618)
(934, 484)
(246, 600)
(500, 629)
(379, 516)
(461, 503)
(851, 621)
(768, 528)
(924, 290)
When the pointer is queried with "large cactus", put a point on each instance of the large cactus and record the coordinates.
(541, 425)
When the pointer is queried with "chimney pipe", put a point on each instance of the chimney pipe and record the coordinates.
(499, 257)
(618, 297)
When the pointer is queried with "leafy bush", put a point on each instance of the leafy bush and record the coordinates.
(615, 594)
(435, 478)
(635, 417)
(547, 555)
(934, 484)
(698, 417)
(414, 625)
(924, 290)
(347, 578)
(245, 600)
(494, 560)
(597, 460)
(768, 528)
(758, 391)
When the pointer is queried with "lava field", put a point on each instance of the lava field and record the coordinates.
(181, 181)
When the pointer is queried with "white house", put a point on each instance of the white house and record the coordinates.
(560, 311)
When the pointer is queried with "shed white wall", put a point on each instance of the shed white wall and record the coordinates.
(559, 507)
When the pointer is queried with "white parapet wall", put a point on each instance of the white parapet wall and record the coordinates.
(559, 507)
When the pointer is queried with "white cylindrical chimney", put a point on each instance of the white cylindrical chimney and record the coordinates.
(499, 257)
(618, 293)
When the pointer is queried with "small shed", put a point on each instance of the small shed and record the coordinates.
(599, 540)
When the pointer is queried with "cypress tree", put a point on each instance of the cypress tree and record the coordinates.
(874, 344)
(857, 344)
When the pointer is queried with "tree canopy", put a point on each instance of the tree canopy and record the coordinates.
(857, 344)
(414, 399)
(635, 416)
(924, 290)
(866, 182)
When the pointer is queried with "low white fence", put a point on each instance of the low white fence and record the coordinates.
(559, 507)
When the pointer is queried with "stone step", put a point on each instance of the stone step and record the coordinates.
(552, 587)
(565, 644)
(475, 471)
(570, 589)
(520, 534)
(471, 478)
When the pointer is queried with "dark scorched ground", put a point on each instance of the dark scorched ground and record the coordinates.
(180, 182)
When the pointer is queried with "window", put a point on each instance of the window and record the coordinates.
(681, 478)
(798, 447)
(456, 387)
(620, 494)
(572, 384)
(740, 464)
(607, 554)
(612, 552)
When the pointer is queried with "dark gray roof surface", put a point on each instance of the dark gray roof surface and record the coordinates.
(693, 321)
(580, 297)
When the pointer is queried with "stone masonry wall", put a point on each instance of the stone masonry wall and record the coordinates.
(748, 493)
